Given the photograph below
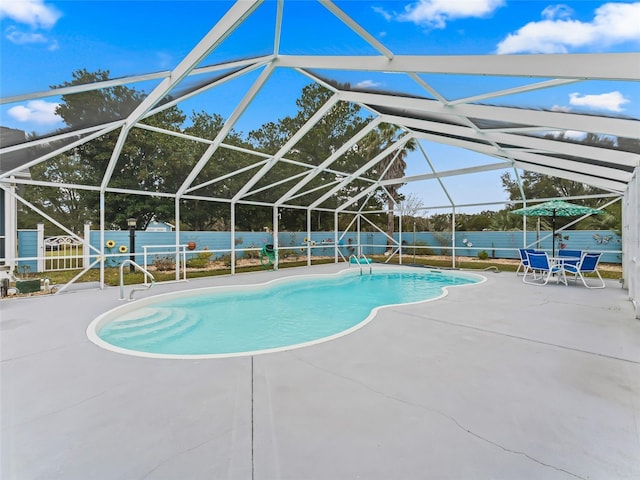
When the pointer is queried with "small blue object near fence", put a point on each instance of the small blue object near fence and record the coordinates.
(360, 261)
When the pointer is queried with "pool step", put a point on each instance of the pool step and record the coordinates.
(140, 318)
(178, 330)
(148, 329)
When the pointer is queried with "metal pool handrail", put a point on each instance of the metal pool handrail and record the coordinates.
(357, 259)
(138, 267)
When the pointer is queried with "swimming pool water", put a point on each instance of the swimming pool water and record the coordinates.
(269, 316)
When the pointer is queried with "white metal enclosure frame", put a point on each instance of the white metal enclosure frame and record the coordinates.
(512, 138)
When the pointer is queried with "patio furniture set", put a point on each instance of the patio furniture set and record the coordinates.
(538, 267)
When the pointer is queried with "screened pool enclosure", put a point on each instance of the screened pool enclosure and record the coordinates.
(362, 133)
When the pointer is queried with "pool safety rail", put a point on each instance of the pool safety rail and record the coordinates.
(178, 250)
(359, 260)
(146, 286)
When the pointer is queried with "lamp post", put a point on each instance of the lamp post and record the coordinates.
(132, 242)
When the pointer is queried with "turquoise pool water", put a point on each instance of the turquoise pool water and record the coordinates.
(284, 313)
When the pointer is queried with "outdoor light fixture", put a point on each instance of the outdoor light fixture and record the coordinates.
(131, 222)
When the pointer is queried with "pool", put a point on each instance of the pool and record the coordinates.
(287, 313)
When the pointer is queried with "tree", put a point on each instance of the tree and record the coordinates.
(474, 222)
(95, 107)
(440, 222)
(141, 164)
(209, 215)
(69, 206)
(82, 166)
(503, 220)
(336, 127)
(413, 212)
(392, 166)
(538, 185)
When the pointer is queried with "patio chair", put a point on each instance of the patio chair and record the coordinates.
(524, 260)
(570, 253)
(588, 264)
(539, 262)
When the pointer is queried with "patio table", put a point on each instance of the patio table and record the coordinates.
(560, 261)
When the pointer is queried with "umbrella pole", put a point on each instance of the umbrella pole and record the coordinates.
(553, 235)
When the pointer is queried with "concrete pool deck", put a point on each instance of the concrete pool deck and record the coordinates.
(497, 381)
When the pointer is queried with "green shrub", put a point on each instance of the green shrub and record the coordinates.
(288, 253)
(252, 253)
(164, 263)
(201, 260)
(483, 255)
(206, 255)
(197, 262)
(225, 259)
(421, 248)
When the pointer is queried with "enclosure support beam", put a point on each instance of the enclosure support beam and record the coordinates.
(335, 236)
(276, 226)
(233, 238)
(361, 32)
(398, 144)
(524, 204)
(40, 248)
(102, 240)
(103, 131)
(309, 124)
(10, 224)
(331, 159)
(359, 217)
(400, 237)
(226, 128)
(620, 66)
(308, 237)
(177, 221)
(86, 256)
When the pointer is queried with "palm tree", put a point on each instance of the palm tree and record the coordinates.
(393, 165)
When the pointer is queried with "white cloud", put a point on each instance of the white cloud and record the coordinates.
(164, 59)
(33, 13)
(560, 108)
(611, 101)
(36, 111)
(367, 84)
(436, 13)
(30, 12)
(557, 33)
(386, 15)
(556, 11)
(570, 134)
(573, 134)
(16, 36)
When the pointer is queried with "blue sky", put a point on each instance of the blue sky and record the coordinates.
(45, 41)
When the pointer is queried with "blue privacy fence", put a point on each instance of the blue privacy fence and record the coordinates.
(495, 244)
(505, 244)
(27, 248)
